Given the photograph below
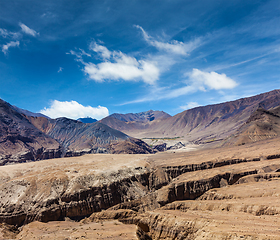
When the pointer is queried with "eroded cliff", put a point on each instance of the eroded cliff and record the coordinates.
(212, 194)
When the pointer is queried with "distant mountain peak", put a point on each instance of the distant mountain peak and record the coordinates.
(87, 120)
(147, 116)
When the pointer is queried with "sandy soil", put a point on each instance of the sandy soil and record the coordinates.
(68, 230)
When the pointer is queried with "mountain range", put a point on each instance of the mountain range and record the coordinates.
(31, 138)
(27, 136)
(200, 124)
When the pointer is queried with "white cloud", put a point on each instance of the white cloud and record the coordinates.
(174, 46)
(6, 47)
(211, 80)
(60, 69)
(198, 81)
(4, 33)
(103, 51)
(28, 30)
(190, 105)
(79, 55)
(117, 65)
(7, 34)
(74, 110)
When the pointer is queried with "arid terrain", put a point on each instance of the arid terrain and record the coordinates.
(225, 193)
(210, 172)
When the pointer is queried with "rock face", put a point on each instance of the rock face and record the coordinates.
(75, 188)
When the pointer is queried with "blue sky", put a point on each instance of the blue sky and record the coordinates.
(94, 58)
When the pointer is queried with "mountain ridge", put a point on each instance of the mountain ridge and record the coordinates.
(215, 121)
(146, 116)
(31, 138)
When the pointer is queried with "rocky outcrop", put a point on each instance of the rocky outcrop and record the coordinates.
(31, 155)
(130, 146)
(56, 195)
(175, 171)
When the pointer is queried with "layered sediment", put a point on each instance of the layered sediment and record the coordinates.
(213, 194)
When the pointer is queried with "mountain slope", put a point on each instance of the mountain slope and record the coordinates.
(28, 113)
(20, 140)
(201, 124)
(133, 123)
(216, 121)
(77, 137)
(261, 125)
(31, 138)
(147, 116)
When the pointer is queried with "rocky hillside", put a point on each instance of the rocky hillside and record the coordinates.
(78, 138)
(227, 193)
(147, 116)
(262, 124)
(201, 124)
(133, 122)
(21, 141)
(28, 113)
(31, 138)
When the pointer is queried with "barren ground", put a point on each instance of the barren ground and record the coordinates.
(225, 193)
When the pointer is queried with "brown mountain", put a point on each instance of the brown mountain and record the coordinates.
(31, 138)
(78, 138)
(147, 116)
(261, 125)
(20, 140)
(201, 124)
(135, 123)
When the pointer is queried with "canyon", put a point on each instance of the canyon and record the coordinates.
(225, 193)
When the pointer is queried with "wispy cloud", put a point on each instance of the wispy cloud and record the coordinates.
(60, 69)
(175, 47)
(7, 34)
(74, 110)
(28, 30)
(198, 81)
(189, 105)
(6, 47)
(79, 54)
(4, 33)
